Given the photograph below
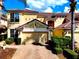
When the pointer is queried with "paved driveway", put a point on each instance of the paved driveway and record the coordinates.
(33, 52)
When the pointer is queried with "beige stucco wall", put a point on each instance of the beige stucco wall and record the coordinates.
(76, 35)
(24, 18)
(42, 19)
(58, 21)
(29, 37)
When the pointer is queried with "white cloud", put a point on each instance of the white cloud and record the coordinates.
(66, 9)
(36, 5)
(56, 2)
(77, 2)
(77, 11)
(41, 5)
(48, 10)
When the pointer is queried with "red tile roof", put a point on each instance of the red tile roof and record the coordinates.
(43, 14)
(67, 25)
(22, 11)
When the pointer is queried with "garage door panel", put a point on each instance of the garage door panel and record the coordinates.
(37, 36)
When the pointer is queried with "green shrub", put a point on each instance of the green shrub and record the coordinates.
(3, 37)
(55, 42)
(58, 50)
(70, 54)
(66, 42)
(9, 40)
(61, 42)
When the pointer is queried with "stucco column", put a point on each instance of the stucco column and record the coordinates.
(49, 35)
(47, 22)
(8, 33)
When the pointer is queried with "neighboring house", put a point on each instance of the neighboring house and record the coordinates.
(66, 27)
(29, 25)
(3, 20)
(3, 23)
(58, 19)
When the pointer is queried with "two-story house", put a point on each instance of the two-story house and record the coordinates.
(30, 26)
(66, 26)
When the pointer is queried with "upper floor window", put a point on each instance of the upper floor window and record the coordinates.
(14, 17)
(51, 23)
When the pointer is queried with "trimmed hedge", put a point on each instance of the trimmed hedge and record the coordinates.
(70, 54)
(61, 42)
(58, 50)
(3, 37)
(9, 40)
(55, 42)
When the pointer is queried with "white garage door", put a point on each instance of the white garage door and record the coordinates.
(30, 37)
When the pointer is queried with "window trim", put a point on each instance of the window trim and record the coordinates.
(13, 17)
(12, 34)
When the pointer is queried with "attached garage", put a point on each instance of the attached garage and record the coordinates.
(34, 31)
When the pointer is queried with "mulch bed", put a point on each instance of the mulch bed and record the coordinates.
(7, 53)
(61, 56)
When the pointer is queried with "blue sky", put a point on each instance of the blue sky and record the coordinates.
(41, 5)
